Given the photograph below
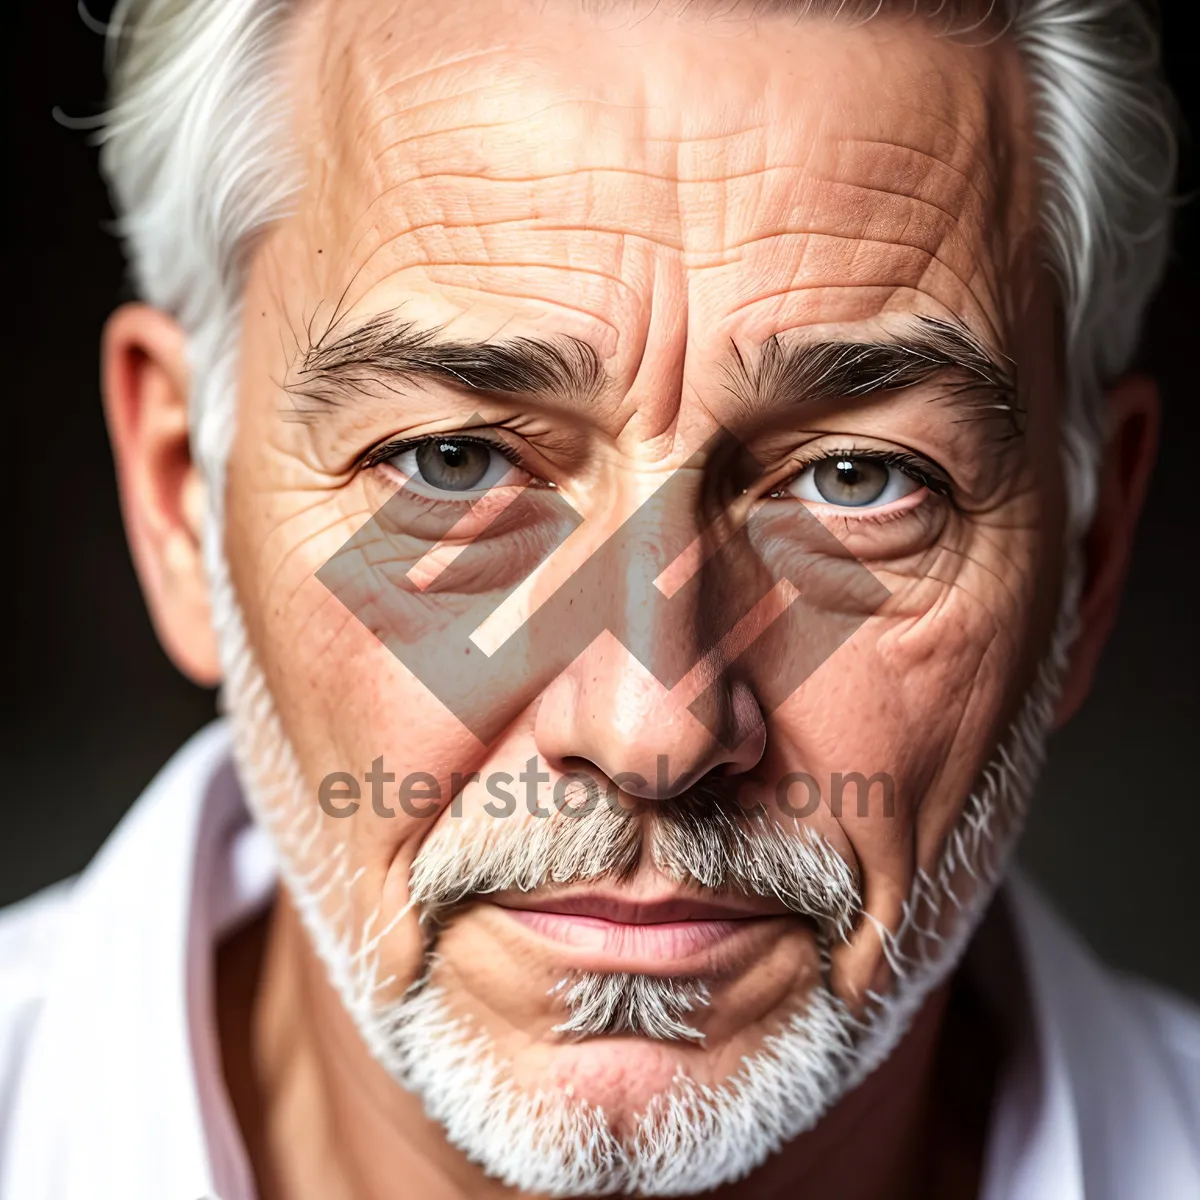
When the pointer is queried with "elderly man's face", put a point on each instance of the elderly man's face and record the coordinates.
(679, 208)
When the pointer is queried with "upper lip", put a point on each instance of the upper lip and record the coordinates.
(649, 910)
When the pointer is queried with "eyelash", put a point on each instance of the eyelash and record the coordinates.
(380, 454)
(916, 468)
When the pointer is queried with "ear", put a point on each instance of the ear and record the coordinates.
(145, 379)
(1133, 407)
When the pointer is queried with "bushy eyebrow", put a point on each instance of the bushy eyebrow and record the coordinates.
(783, 373)
(390, 353)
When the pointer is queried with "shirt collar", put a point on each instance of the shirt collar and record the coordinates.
(1090, 1086)
(122, 1095)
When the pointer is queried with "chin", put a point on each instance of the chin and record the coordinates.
(620, 1076)
(615, 1113)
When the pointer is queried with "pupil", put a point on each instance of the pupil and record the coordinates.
(453, 466)
(850, 481)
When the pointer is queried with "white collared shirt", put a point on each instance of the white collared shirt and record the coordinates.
(110, 1075)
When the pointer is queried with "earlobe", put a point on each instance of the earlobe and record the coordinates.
(145, 380)
(1133, 406)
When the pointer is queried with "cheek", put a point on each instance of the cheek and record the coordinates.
(347, 708)
(896, 727)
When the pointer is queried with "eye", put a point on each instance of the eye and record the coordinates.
(448, 464)
(852, 481)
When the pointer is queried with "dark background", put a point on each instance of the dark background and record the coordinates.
(94, 707)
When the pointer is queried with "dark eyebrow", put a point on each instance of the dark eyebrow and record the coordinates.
(388, 353)
(783, 373)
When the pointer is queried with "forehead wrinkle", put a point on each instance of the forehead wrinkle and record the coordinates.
(646, 135)
(430, 233)
(932, 163)
(945, 230)
(812, 288)
(350, 101)
(959, 244)
(727, 253)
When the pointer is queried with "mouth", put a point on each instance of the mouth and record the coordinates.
(654, 935)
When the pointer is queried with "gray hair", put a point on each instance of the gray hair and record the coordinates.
(194, 151)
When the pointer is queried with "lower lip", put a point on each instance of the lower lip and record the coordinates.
(669, 942)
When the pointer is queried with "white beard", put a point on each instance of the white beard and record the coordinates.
(690, 1138)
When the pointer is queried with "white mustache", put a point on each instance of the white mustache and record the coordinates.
(700, 839)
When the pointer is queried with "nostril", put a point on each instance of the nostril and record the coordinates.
(632, 783)
(605, 722)
(576, 764)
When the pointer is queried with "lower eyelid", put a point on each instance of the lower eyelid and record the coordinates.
(881, 512)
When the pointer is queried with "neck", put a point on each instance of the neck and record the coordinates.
(323, 1121)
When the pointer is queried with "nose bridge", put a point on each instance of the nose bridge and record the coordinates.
(626, 703)
(658, 624)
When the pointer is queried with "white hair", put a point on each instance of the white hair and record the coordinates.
(195, 151)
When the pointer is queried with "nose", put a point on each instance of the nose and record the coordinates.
(650, 702)
(608, 711)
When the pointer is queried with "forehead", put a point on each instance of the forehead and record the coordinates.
(517, 164)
